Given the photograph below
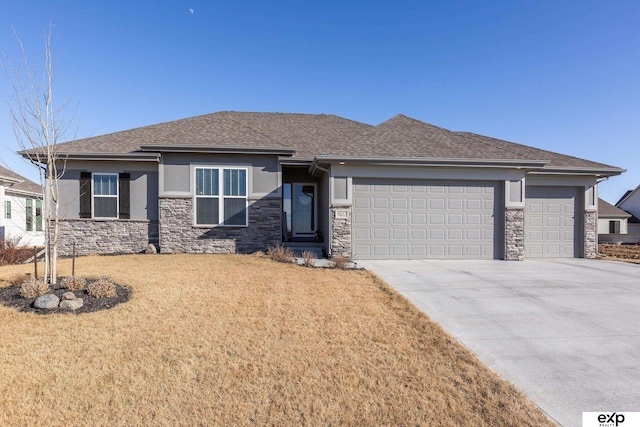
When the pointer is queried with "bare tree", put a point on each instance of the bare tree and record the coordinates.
(39, 124)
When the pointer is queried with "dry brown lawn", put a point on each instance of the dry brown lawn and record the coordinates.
(242, 340)
(626, 253)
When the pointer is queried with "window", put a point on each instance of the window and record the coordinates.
(7, 209)
(614, 227)
(29, 215)
(38, 215)
(221, 196)
(105, 195)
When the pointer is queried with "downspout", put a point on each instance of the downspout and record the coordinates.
(598, 181)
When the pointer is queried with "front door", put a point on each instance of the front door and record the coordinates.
(304, 218)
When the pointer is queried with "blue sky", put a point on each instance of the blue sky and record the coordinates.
(558, 75)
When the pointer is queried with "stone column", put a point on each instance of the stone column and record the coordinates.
(341, 231)
(514, 234)
(590, 233)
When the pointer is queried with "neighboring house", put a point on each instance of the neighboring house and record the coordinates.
(239, 182)
(612, 222)
(630, 203)
(20, 209)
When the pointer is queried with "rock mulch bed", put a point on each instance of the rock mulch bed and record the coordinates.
(61, 301)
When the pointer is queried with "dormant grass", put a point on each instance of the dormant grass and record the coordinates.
(241, 340)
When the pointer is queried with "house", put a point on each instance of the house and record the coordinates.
(630, 202)
(20, 209)
(405, 189)
(612, 223)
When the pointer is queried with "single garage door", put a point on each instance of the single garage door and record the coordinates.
(550, 223)
(418, 219)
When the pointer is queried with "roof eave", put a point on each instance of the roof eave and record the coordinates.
(122, 157)
(217, 149)
(10, 180)
(572, 170)
(24, 192)
(435, 161)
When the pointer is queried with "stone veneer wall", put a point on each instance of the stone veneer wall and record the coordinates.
(102, 236)
(341, 231)
(590, 234)
(514, 234)
(178, 234)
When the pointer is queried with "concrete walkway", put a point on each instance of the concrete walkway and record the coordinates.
(564, 331)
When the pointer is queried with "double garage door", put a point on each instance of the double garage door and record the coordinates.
(420, 219)
(417, 219)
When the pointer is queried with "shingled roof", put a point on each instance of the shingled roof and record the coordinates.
(311, 135)
(607, 210)
(19, 183)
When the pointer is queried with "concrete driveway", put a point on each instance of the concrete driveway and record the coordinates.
(564, 331)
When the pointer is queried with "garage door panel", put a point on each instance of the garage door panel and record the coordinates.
(362, 233)
(455, 219)
(455, 204)
(381, 217)
(362, 203)
(441, 220)
(436, 203)
(380, 203)
(551, 227)
(400, 250)
(418, 234)
(418, 219)
(418, 251)
(400, 203)
(419, 204)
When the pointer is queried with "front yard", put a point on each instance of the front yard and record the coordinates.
(242, 340)
(615, 252)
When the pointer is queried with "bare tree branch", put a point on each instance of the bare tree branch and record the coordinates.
(39, 125)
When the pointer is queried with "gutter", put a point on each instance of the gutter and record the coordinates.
(599, 173)
(195, 148)
(434, 161)
(127, 157)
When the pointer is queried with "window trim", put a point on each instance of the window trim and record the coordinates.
(38, 218)
(7, 209)
(116, 196)
(613, 224)
(28, 213)
(221, 196)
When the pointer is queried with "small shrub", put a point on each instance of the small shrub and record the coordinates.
(33, 288)
(340, 262)
(73, 283)
(12, 253)
(307, 258)
(102, 288)
(18, 279)
(280, 254)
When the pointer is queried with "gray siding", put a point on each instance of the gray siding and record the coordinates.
(144, 187)
(177, 171)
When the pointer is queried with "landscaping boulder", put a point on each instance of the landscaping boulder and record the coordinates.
(47, 301)
(71, 304)
(68, 296)
(151, 249)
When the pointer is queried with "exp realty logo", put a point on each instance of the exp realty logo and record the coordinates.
(611, 419)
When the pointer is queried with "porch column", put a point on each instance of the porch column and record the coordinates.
(514, 234)
(341, 230)
(514, 220)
